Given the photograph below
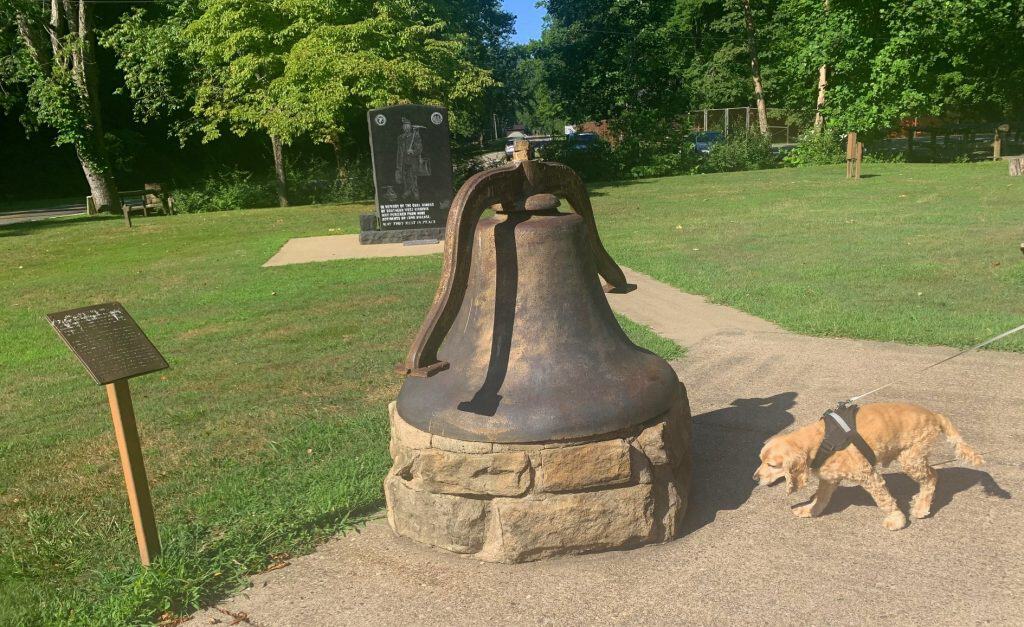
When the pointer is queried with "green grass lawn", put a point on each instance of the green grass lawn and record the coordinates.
(269, 431)
(914, 253)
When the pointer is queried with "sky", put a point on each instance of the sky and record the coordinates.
(529, 19)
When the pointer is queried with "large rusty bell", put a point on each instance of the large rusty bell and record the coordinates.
(520, 344)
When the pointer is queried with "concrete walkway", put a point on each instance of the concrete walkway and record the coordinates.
(744, 559)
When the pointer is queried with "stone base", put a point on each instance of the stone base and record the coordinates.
(522, 502)
(401, 235)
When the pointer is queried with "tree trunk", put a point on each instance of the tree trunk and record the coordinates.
(95, 157)
(339, 160)
(280, 178)
(755, 68)
(101, 184)
(819, 118)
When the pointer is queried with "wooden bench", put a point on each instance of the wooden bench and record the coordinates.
(152, 196)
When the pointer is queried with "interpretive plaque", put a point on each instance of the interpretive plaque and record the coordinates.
(412, 166)
(107, 341)
(113, 348)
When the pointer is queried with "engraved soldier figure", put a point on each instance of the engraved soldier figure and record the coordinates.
(410, 164)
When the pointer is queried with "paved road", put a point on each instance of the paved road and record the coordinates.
(744, 559)
(31, 215)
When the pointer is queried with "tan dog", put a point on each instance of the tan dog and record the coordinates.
(894, 431)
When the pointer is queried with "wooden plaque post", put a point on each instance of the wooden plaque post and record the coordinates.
(134, 468)
(997, 146)
(113, 348)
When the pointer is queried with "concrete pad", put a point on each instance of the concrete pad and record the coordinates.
(744, 559)
(334, 247)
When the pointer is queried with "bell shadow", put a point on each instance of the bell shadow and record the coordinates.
(486, 400)
(950, 482)
(726, 443)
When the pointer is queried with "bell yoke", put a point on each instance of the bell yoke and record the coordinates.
(520, 344)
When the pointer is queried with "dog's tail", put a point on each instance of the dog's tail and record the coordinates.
(963, 450)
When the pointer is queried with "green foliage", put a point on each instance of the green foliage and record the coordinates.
(817, 148)
(229, 190)
(50, 62)
(742, 151)
(597, 162)
(602, 58)
(885, 61)
(312, 180)
(292, 68)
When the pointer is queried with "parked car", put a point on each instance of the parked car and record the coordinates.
(582, 141)
(703, 141)
(536, 142)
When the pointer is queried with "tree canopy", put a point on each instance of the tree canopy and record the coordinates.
(884, 60)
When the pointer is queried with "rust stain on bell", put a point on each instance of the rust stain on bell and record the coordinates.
(520, 344)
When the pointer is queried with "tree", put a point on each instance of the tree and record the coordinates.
(608, 58)
(819, 118)
(755, 67)
(293, 68)
(55, 59)
(399, 52)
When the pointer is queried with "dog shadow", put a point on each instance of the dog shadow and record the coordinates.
(726, 443)
(950, 481)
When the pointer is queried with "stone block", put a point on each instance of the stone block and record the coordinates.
(640, 466)
(652, 442)
(460, 446)
(596, 464)
(450, 522)
(490, 474)
(397, 236)
(533, 528)
(403, 434)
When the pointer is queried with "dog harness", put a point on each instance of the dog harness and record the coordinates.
(840, 432)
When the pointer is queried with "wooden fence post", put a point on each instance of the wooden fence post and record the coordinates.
(851, 149)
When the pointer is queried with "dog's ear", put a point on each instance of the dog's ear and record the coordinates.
(795, 469)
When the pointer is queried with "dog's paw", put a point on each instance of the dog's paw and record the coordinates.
(920, 508)
(895, 521)
(804, 511)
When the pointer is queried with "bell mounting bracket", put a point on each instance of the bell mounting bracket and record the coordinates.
(524, 186)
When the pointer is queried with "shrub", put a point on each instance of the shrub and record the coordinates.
(684, 161)
(817, 148)
(748, 150)
(234, 189)
(315, 180)
(596, 162)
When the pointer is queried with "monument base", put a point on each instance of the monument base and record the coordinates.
(401, 235)
(521, 502)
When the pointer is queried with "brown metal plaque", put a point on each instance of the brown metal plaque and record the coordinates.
(107, 341)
